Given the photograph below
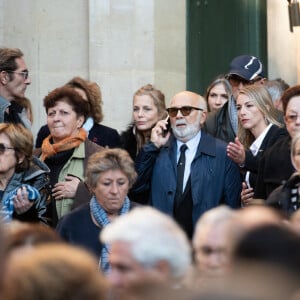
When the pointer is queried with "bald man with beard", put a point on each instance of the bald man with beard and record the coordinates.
(209, 176)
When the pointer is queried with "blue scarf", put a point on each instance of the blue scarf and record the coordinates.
(7, 208)
(101, 217)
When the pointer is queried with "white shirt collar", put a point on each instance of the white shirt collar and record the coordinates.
(192, 144)
(257, 143)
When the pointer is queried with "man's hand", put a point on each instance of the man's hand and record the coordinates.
(157, 137)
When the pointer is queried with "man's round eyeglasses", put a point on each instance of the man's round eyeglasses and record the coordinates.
(25, 74)
(185, 110)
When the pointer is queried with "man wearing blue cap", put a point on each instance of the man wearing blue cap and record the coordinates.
(244, 70)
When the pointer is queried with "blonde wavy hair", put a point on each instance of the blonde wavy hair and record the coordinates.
(263, 101)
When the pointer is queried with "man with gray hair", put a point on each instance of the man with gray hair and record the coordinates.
(14, 79)
(146, 248)
(214, 241)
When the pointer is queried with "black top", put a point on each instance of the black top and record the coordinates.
(78, 229)
(252, 162)
(274, 169)
(285, 197)
(129, 143)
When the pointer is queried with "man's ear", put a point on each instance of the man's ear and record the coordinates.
(262, 81)
(203, 118)
(21, 158)
(4, 79)
(80, 121)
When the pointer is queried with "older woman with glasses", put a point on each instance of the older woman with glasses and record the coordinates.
(276, 165)
(23, 177)
(66, 149)
(110, 173)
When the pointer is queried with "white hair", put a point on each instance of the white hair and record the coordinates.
(188, 132)
(213, 217)
(153, 237)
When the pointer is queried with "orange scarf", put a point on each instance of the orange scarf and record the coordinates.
(68, 143)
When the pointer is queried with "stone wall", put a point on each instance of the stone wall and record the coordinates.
(121, 45)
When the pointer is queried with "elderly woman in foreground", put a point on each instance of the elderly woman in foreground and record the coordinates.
(110, 174)
(23, 177)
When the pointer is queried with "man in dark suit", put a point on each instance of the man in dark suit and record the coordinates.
(208, 178)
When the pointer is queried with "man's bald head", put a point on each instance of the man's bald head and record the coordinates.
(187, 113)
(190, 99)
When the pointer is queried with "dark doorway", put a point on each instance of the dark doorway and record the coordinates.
(219, 30)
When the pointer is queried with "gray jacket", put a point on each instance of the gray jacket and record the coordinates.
(4, 104)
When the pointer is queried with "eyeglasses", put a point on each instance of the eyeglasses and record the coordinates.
(25, 74)
(235, 80)
(4, 148)
(185, 110)
(291, 118)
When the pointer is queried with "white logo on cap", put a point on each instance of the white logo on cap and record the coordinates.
(249, 63)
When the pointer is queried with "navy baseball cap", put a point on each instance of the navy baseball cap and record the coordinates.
(247, 67)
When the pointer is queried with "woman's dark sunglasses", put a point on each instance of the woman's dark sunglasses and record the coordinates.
(185, 110)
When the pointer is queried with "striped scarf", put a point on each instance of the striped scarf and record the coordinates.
(101, 217)
(7, 208)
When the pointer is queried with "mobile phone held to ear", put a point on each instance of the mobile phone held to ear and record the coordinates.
(168, 127)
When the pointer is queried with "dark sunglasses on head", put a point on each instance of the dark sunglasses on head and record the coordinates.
(236, 80)
(4, 148)
(185, 110)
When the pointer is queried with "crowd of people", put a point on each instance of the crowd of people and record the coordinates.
(198, 198)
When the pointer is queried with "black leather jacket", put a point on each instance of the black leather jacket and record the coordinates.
(218, 124)
(281, 197)
(36, 176)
